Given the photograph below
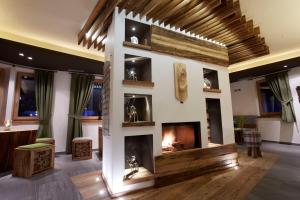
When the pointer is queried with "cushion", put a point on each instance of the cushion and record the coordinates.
(43, 139)
(82, 139)
(34, 146)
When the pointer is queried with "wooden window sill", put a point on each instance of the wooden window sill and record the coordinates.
(211, 90)
(91, 121)
(138, 46)
(138, 83)
(24, 122)
(137, 124)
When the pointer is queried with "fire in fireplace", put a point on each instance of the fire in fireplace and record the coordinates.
(180, 136)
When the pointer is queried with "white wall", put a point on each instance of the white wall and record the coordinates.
(61, 97)
(165, 106)
(245, 102)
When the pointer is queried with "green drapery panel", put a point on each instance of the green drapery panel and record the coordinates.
(44, 97)
(279, 84)
(81, 90)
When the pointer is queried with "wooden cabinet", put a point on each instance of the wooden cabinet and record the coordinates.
(11, 140)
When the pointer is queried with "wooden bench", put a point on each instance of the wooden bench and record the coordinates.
(82, 148)
(32, 159)
(178, 166)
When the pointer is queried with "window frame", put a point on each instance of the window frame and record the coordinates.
(17, 119)
(92, 119)
(260, 102)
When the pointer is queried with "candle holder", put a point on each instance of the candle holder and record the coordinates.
(7, 125)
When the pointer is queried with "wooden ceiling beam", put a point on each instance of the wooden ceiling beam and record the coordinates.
(225, 29)
(91, 19)
(248, 57)
(246, 45)
(122, 4)
(241, 38)
(149, 7)
(247, 52)
(219, 14)
(165, 7)
(174, 11)
(139, 7)
(219, 20)
(223, 25)
(201, 10)
(176, 16)
(101, 31)
(104, 19)
(244, 27)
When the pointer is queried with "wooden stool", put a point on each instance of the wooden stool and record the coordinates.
(32, 159)
(252, 139)
(81, 148)
(45, 141)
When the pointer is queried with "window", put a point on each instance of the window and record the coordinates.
(268, 104)
(93, 110)
(25, 105)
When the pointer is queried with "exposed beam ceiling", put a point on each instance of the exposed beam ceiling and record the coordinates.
(220, 20)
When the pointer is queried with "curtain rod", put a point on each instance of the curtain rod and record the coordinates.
(79, 72)
(23, 66)
(286, 70)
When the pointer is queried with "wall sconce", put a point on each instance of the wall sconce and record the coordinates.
(298, 92)
(7, 124)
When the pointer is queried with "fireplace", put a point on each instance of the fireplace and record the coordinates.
(138, 159)
(180, 136)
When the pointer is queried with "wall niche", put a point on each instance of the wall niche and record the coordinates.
(211, 81)
(137, 110)
(214, 121)
(139, 164)
(137, 34)
(137, 71)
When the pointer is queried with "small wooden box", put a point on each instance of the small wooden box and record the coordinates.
(81, 149)
(30, 161)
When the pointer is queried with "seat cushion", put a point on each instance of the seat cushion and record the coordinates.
(82, 139)
(34, 146)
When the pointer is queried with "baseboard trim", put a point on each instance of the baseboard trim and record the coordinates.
(286, 143)
(63, 152)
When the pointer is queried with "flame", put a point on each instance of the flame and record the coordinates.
(168, 140)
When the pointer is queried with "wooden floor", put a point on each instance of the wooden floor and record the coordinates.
(233, 184)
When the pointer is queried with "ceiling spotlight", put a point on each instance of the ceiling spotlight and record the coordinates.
(29, 58)
(133, 60)
(133, 28)
(285, 66)
(21, 54)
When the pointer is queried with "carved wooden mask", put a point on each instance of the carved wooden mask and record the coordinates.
(181, 88)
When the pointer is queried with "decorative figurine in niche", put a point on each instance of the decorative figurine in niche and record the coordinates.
(298, 92)
(134, 167)
(181, 87)
(131, 111)
(207, 83)
(134, 40)
(132, 75)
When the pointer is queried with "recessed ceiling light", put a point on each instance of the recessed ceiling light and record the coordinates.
(29, 58)
(133, 60)
(133, 28)
(21, 54)
(285, 66)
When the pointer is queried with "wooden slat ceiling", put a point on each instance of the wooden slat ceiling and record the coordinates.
(219, 20)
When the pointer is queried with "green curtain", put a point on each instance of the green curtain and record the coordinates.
(81, 90)
(279, 84)
(44, 96)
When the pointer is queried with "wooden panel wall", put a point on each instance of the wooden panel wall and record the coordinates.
(173, 43)
(179, 166)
